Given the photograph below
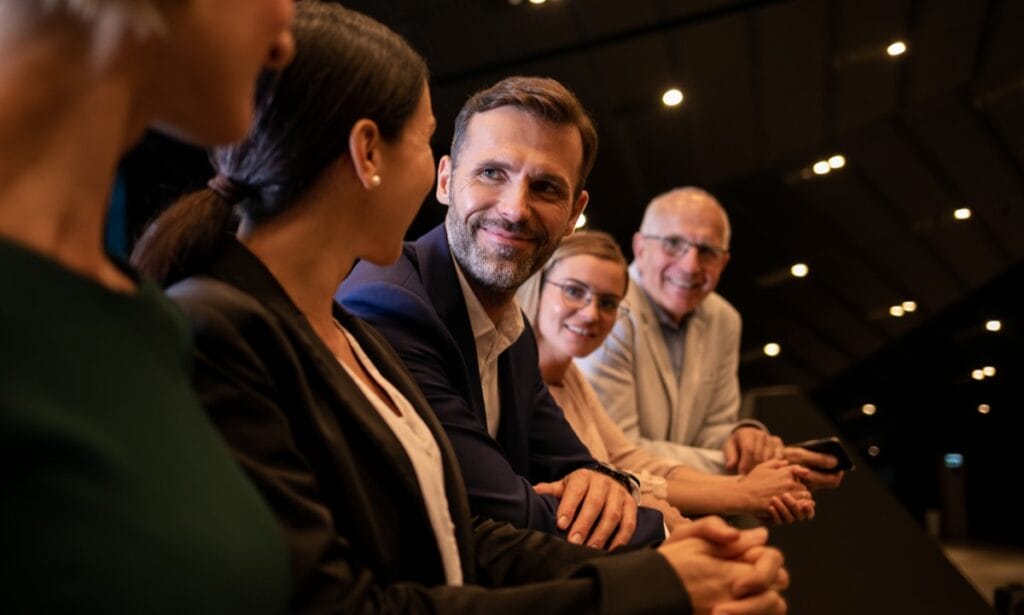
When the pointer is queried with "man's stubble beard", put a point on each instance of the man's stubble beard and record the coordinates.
(500, 271)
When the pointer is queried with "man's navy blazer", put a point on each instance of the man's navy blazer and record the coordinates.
(417, 304)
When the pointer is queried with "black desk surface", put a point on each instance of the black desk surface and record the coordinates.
(863, 553)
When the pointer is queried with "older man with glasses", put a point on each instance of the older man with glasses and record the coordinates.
(668, 371)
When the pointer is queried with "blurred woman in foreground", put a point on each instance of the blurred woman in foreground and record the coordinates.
(117, 495)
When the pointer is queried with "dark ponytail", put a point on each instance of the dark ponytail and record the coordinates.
(347, 67)
(184, 238)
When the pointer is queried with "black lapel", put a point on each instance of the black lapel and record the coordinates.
(437, 271)
(392, 368)
(237, 266)
(512, 434)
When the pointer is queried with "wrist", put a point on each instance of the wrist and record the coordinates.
(628, 481)
(739, 499)
(751, 423)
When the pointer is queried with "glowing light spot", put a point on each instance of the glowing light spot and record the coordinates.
(672, 97)
(896, 48)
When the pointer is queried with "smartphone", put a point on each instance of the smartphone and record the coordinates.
(830, 446)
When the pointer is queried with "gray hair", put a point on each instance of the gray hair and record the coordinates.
(144, 16)
(662, 203)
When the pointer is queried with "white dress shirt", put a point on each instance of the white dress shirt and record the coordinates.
(491, 340)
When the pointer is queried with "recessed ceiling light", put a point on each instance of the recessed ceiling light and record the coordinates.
(821, 167)
(772, 349)
(869, 409)
(896, 310)
(837, 162)
(896, 48)
(672, 97)
(874, 451)
(581, 221)
(963, 213)
(537, 1)
(909, 306)
(978, 374)
(989, 371)
(993, 325)
(799, 270)
(984, 408)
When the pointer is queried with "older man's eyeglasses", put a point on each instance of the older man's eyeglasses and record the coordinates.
(578, 296)
(677, 246)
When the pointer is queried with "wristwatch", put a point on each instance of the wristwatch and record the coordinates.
(627, 480)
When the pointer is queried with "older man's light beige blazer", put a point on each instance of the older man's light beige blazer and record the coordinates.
(688, 418)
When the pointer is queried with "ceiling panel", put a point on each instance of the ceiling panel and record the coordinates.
(884, 160)
(865, 27)
(792, 47)
(1001, 53)
(945, 38)
(719, 84)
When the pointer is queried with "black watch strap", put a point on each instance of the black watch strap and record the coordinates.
(627, 480)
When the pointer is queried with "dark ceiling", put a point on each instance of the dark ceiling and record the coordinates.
(771, 87)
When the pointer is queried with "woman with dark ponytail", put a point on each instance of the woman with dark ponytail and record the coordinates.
(305, 123)
(318, 409)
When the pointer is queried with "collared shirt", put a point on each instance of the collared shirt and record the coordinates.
(674, 334)
(491, 340)
(675, 343)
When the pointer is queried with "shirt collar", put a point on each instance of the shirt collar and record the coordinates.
(663, 317)
(509, 327)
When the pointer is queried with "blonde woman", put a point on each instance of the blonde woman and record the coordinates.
(573, 302)
(117, 495)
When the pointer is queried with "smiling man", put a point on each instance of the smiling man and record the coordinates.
(513, 184)
(668, 373)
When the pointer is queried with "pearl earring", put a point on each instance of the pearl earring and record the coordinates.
(374, 180)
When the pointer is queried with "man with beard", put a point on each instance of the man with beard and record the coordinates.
(667, 373)
(513, 185)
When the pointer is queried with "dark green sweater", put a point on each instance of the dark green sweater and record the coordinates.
(116, 494)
